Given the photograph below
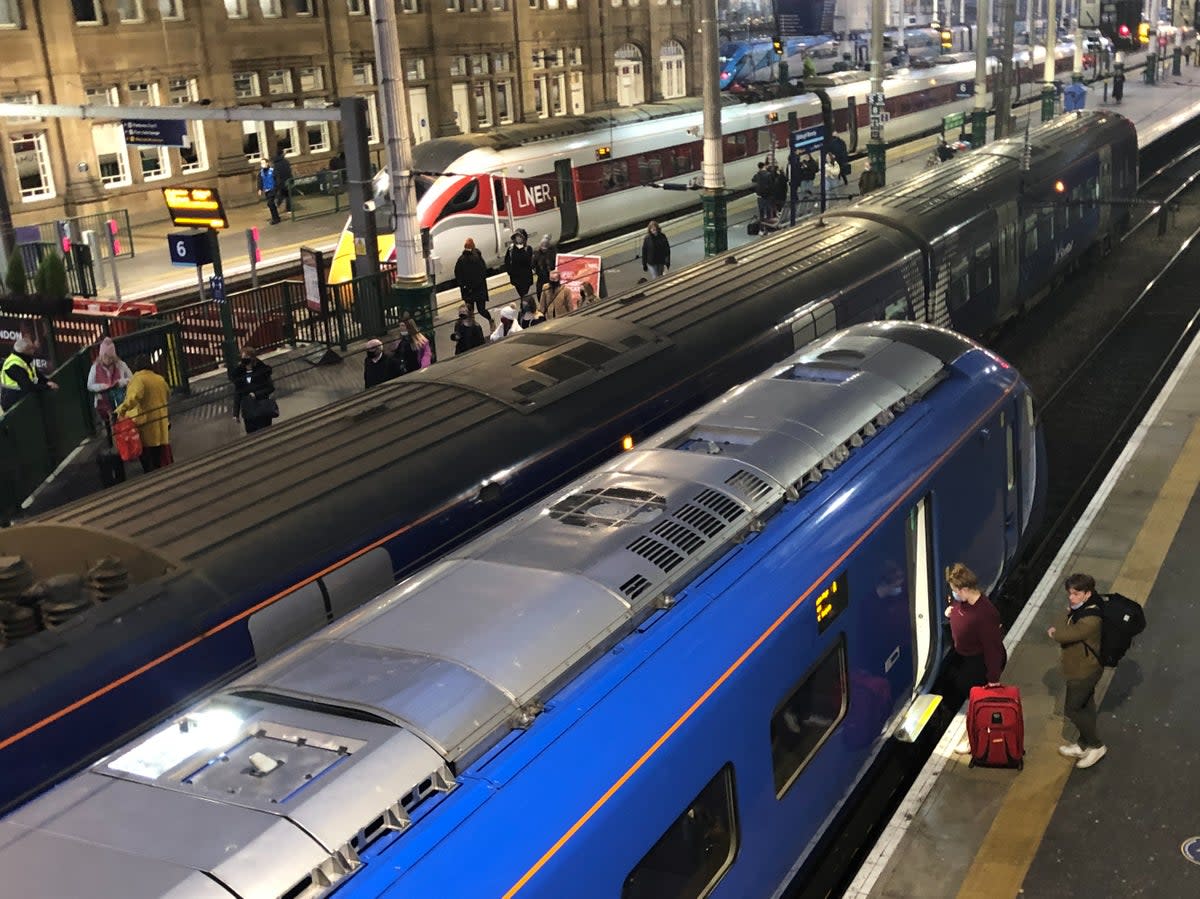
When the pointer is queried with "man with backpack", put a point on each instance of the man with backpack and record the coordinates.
(1094, 633)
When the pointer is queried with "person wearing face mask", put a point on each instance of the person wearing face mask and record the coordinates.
(978, 635)
(518, 262)
(379, 366)
(252, 389)
(556, 299)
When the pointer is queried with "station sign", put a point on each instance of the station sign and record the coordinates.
(808, 138)
(192, 247)
(156, 133)
(952, 121)
(198, 207)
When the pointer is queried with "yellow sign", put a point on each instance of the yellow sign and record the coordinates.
(197, 207)
(831, 602)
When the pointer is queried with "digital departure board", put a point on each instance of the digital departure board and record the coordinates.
(199, 207)
(831, 602)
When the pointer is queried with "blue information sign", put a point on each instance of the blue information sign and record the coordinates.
(808, 138)
(156, 133)
(217, 285)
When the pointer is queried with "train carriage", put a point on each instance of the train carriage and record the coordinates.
(661, 681)
(233, 557)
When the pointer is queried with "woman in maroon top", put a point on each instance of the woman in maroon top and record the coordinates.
(977, 632)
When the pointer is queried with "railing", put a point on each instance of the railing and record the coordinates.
(80, 268)
(97, 221)
(41, 430)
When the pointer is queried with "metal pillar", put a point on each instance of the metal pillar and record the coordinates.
(716, 234)
(1004, 78)
(876, 147)
(1049, 90)
(979, 109)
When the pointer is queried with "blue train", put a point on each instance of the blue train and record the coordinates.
(232, 558)
(751, 61)
(660, 682)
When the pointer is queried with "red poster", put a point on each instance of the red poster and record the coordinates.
(574, 271)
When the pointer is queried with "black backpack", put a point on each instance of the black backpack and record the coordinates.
(1121, 619)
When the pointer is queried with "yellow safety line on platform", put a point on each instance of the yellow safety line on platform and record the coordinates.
(1004, 857)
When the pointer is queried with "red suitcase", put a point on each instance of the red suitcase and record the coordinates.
(996, 727)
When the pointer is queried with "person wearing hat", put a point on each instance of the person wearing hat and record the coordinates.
(470, 271)
(508, 324)
(556, 299)
(19, 376)
(379, 366)
(108, 378)
(467, 333)
(543, 262)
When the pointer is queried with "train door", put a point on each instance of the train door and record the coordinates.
(922, 597)
(566, 199)
(852, 124)
(502, 223)
(1012, 495)
(1008, 273)
(1106, 188)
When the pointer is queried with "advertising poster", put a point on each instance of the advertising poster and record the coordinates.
(574, 271)
(312, 264)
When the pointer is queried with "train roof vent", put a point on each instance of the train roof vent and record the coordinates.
(749, 485)
(687, 530)
(608, 507)
(635, 587)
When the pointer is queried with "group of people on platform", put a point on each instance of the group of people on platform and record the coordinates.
(980, 656)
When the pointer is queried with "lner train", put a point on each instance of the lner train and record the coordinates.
(233, 557)
(660, 682)
(570, 178)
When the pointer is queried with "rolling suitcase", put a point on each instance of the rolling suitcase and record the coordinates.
(112, 467)
(109, 461)
(996, 727)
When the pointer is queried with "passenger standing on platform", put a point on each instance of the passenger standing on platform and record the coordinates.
(467, 332)
(779, 190)
(978, 635)
(266, 189)
(543, 263)
(283, 177)
(762, 189)
(837, 148)
(530, 313)
(107, 379)
(508, 325)
(869, 180)
(252, 389)
(1078, 632)
(415, 350)
(809, 169)
(518, 262)
(587, 294)
(379, 366)
(146, 400)
(19, 376)
(470, 271)
(556, 298)
(656, 251)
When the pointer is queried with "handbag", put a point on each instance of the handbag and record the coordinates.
(259, 407)
(127, 439)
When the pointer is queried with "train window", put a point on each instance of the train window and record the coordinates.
(1031, 235)
(498, 190)
(1093, 189)
(466, 198)
(616, 176)
(736, 146)
(808, 716)
(681, 160)
(1062, 214)
(690, 859)
(982, 271)
(1030, 412)
(650, 169)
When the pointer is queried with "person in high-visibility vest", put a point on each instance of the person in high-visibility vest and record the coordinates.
(19, 376)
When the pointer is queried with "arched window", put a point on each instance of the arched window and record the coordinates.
(672, 70)
(630, 87)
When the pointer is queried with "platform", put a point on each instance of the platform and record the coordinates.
(1115, 829)
(199, 427)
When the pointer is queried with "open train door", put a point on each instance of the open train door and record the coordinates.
(566, 199)
(502, 223)
(922, 597)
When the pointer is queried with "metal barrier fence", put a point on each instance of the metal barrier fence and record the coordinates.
(316, 194)
(79, 265)
(97, 221)
(41, 430)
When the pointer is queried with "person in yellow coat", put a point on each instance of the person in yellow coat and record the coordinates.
(146, 403)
